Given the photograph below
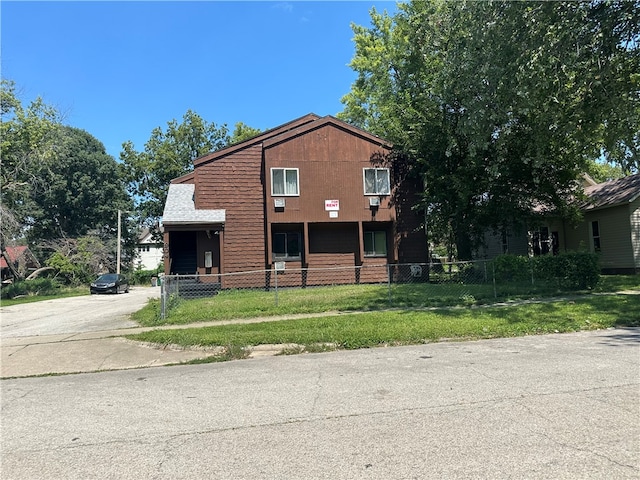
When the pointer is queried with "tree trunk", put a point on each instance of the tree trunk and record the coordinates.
(464, 245)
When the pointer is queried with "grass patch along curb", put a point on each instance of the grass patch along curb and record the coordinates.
(405, 327)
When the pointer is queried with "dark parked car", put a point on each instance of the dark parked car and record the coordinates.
(110, 283)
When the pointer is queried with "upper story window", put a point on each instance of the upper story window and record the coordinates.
(284, 181)
(376, 181)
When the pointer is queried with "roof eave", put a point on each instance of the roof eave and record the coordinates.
(321, 122)
(308, 118)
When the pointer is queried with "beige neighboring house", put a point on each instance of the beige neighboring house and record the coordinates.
(148, 251)
(610, 227)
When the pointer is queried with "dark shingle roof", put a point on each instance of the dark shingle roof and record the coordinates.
(614, 192)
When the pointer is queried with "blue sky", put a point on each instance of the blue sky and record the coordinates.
(119, 69)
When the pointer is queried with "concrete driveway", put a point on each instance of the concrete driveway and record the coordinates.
(89, 313)
(80, 334)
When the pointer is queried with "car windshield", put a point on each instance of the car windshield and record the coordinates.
(110, 278)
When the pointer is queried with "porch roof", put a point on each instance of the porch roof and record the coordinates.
(180, 208)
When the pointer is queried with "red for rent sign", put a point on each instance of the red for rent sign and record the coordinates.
(332, 205)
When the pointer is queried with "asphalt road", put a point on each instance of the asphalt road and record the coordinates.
(89, 313)
(538, 407)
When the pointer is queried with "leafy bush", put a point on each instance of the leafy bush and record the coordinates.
(549, 267)
(79, 261)
(143, 277)
(39, 286)
(508, 268)
(580, 270)
(472, 272)
(70, 272)
(571, 271)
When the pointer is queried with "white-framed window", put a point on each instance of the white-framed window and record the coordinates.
(541, 242)
(375, 243)
(376, 181)
(287, 246)
(284, 182)
(595, 236)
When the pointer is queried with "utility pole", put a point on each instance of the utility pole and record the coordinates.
(119, 239)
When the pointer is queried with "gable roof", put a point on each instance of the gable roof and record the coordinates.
(319, 123)
(145, 235)
(15, 253)
(310, 117)
(180, 208)
(284, 132)
(612, 193)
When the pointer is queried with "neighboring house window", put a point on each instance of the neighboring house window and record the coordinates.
(286, 246)
(541, 241)
(505, 242)
(595, 236)
(375, 243)
(284, 181)
(376, 181)
(555, 243)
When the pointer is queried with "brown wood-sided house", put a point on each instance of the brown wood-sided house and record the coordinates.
(304, 195)
(610, 226)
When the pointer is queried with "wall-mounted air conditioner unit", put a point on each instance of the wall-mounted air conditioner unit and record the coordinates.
(374, 202)
(278, 202)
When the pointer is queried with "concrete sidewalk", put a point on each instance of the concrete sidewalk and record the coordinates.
(56, 354)
(106, 350)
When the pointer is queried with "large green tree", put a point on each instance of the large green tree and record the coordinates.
(84, 191)
(167, 154)
(499, 106)
(29, 146)
(242, 132)
(58, 182)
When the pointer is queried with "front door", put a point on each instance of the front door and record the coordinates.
(183, 253)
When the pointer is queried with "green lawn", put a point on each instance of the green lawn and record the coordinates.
(371, 329)
(230, 304)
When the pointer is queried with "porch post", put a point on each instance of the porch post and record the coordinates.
(221, 249)
(165, 252)
(305, 234)
(360, 259)
(269, 247)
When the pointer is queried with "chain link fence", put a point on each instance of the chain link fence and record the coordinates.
(415, 285)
